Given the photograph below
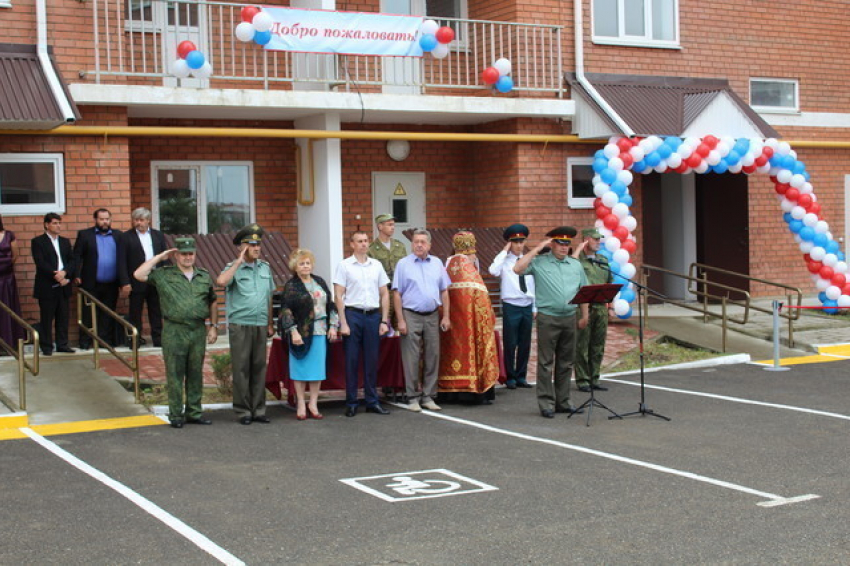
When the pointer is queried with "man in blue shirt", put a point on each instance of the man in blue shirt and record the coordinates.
(96, 255)
(421, 287)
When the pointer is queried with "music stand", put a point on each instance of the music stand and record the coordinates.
(591, 294)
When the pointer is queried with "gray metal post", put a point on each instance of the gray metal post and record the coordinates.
(776, 366)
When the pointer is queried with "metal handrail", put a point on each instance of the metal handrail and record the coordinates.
(84, 298)
(788, 314)
(19, 354)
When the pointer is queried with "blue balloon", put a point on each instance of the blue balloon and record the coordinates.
(742, 145)
(806, 176)
(807, 233)
(795, 226)
(599, 165)
(664, 150)
(799, 168)
(732, 158)
(626, 199)
(788, 162)
(608, 175)
(832, 304)
(600, 154)
(627, 295)
(618, 187)
(822, 296)
(639, 166)
(775, 160)
(627, 315)
(652, 159)
(721, 167)
(605, 253)
(840, 256)
(832, 247)
(614, 267)
(262, 37)
(673, 141)
(820, 240)
(428, 42)
(787, 217)
(505, 84)
(195, 59)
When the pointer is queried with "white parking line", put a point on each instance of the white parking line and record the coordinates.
(735, 399)
(772, 499)
(182, 528)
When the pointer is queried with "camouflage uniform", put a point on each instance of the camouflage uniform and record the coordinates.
(590, 343)
(388, 258)
(185, 307)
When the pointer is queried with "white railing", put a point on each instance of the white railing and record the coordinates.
(136, 41)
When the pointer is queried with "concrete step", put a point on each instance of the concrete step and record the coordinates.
(69, 390)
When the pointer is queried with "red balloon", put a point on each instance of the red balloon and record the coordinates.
(490, 75)
(807, 258)
(826, 272)
(782, 188)
(597, 202)
(445, 34)
(602, 211)
(248, 13)
(703, 150)
(815, 208)
(627, 159)
(184, 48)
(611, 221)
(846, 289)
(681, 168)
(767, 152)
(761, 160)
(805, 200)
(792, 194)
(710, 141)
(621, 233)
(748, 169)
(624, 144)
(631, 247)
(839, 280)
(814, 266)
(694, 160)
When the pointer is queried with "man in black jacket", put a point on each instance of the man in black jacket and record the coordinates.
(138, 246)
(96, 260)
(54, 264)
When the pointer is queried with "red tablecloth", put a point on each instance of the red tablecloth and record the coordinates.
(390, 369)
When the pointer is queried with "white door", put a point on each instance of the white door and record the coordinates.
(402, 75)
(181, 21)
(403, 196)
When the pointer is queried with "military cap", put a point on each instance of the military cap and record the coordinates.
(515, 232)
(562, 234)
(184, 245)
(251, 233)
(591, 233)
(384, 218)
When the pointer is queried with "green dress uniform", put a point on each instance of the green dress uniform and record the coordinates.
(185, 306)
(389, 258)
(590, 343)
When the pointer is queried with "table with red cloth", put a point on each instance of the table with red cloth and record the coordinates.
(390, 369)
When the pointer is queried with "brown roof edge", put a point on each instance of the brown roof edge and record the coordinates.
(28, 75)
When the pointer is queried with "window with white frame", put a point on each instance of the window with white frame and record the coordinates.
(641, 23)
(580, 182)
(205, 197)
(32, 183)
(138, 12)
(775, 95)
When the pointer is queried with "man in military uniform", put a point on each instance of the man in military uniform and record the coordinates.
(248, 283)
(187, 298)
(590, 342)
(388, 251)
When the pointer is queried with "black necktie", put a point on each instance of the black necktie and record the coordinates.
(522, 286)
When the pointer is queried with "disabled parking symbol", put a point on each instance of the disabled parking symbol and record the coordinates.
(424, 484)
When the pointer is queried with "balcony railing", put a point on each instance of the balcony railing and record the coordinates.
(135, 43)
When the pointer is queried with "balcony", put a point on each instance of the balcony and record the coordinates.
(135, 44)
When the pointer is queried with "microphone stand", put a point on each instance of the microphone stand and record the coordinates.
(642, 408)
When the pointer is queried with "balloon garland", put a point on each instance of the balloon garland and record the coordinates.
(255, 26)
(498, 76)
(614, 166)
(190, 61)
(435, 39)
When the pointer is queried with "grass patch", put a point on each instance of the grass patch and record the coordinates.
(158, 395)
(661, 352)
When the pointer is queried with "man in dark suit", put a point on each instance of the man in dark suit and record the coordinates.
(54, 264)
(96, 260)
(138, 246)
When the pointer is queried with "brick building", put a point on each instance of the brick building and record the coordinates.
(208, 154)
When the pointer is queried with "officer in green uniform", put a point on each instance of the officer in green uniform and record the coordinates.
(187, 298)
(590, 343)
(387, 250)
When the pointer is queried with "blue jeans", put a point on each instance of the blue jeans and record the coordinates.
(364, 338)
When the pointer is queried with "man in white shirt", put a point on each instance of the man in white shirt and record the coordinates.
(362, 300)
(517, 294)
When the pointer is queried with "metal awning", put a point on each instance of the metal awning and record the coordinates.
(32, 95)
(671, 106)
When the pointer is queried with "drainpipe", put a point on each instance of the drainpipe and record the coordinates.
(594, 94)
(47, 65)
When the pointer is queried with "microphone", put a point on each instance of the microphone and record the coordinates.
(597, 262)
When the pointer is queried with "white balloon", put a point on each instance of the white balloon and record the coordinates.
(599, 224)
(610, 198)
(806, 247)
(748, 159)
(625, 177)
(822, 227)
(830, 260)
(784, 176)
(817, 253)
(797, 181)
(606, 233)
(798, 212)
(245, 32)
(793, 154)
(504, 67)
(429, 27)
(674, 160)
(262, 21)
(620, 210)
(596, 179)
(840, 267)
(807, 188)
(774, 171)
(844, 301)
(810, 219)
(615, 163)
(655, 142)
(180, 69)
(684, 151)
(723, 148)
(713, 157)
(764, 168)
(787, 205)
(204, 72)
(661, 167)
(728, 140)
(630, 223)
(701, 168)
(646, 146)
(441, 51)
(621, 307)
(736, 168)
(772, 143)
(612, 244)
(822, 284)
(833, 292)
(621, 256)
(628, 271)
(784, 148)
(692, 142)
(797, 238)
(637, 153)
(611, 150)
(600, 189)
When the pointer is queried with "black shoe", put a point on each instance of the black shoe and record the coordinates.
(200, 420)
(47, 352)
(570, 410)
(524, 385)
(510, 384)
(584, 388)
(599, 387)
(262, 419)
(65, 350)
(547, 413)
(350, 411)
(85, 346)
(245, 420)
(377, 409)
(177, 424)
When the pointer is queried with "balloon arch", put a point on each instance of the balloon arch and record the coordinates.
(613, 166)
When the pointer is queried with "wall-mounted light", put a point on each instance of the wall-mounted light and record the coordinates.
(398, 150)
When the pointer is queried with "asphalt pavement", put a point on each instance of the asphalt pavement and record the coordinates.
(730, 479)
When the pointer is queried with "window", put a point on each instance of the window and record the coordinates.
(439, 10)
(580, 182)
(148, 11)
(202, 198)
(641, 23)
(775, 95)
(32, 183)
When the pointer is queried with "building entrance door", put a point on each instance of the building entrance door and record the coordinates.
(403, 196)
